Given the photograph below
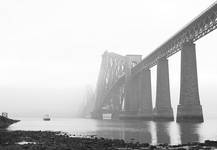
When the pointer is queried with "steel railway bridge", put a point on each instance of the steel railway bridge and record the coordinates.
(124, 82)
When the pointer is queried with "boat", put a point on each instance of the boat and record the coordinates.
(46, 117)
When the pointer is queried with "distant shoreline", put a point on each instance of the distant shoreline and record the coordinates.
(60, 140)
(5, 122)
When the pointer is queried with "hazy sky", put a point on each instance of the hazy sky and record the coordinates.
(51, 49)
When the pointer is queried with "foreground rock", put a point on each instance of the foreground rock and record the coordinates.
(37, 140)
(5, 122)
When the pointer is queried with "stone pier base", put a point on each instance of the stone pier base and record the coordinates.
(127, 115)
(163, 110)
(189, 113)
(163, 114)
(189, 108)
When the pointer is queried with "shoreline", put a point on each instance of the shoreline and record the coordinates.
(58, 140)
(5, 122)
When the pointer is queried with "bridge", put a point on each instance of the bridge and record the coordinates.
(124, 82)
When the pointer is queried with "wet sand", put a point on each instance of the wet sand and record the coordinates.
(45, 140)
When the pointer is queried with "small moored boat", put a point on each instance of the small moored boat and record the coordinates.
(46, 117)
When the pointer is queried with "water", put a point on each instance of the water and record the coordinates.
(142, 131)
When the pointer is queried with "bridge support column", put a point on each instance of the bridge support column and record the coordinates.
(163, 110)
(131, 99)
(100, 89)
(145, 100)
(189, 108)
(116, 107)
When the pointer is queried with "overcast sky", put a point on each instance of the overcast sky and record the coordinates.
(51, 49)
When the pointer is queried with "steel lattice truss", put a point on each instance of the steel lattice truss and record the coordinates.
(113, 67)
(196, 29)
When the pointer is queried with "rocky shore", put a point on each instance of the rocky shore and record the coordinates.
(45, 140)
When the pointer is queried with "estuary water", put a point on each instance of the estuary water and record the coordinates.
(142, 131)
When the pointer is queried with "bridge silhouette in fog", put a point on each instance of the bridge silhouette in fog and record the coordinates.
(124, 82)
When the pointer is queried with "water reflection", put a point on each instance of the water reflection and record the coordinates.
(142, 131)
(162, 132)
(151, 132)
(127, 130)
(165, 132)
(189, 132)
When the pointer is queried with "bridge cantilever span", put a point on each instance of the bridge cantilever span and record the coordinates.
(125, 81)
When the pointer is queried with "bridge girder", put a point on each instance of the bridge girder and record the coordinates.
(196, 29)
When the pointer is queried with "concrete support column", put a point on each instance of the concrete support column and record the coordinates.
(127, 98)
(100, 89)
(134, 103)
(116, 105)
(131, 99)
(189, 108)
(163, 109)
(145, 99)
(127, 95)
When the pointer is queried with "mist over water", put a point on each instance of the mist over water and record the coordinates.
(142, 131)
(51, 50)
(47, 57)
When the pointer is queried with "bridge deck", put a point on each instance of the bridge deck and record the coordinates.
(196, 29)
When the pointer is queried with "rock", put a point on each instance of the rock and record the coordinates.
(5, 122)
(33, 140)
(211, 143)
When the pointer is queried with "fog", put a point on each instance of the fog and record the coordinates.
(51, 50)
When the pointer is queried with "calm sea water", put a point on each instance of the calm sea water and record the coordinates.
(142, 131)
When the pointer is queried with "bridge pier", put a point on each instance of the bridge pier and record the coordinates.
(131, 99)
(145, 99)
(97, 112)
(116, 107)
(189, 108)
(163, 110)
